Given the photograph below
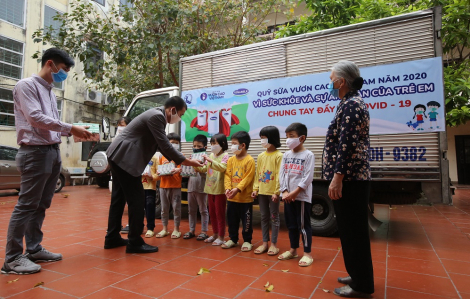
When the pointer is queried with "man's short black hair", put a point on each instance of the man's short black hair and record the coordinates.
(221, 139)
(273, 135)
(242, 137)
(57, 56)
(174, 136)
(201, 138)
(299, 128)
(176, 102)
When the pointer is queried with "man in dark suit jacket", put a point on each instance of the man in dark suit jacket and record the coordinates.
(128, 155)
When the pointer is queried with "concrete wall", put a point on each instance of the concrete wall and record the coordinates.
(451, 154)
(73, 92)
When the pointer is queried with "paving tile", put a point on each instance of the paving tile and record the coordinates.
(153, 282)
(394, 293)
(414, 253)
(462, 282)
(219, 283)
(25, 282)
(180, 293)
(289, 283)
(114, 293)
(130, 265)
(417, 266)
(215, 253)
(317, 268)
(167, 252)
(453, 254)
(86, 282)
(188, 265)
(256, 293)
(75, 264)
(41, 293)
(456, 267)
(421, 283)
(110, 254)
(245, 266)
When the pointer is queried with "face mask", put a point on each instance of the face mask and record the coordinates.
(292, 142)
(198, 150)
(264, 143)
(119, 130)
(216, 149)
(60, 76)
(333, 91)
(175, 118)
(176, 146)
(235, 149)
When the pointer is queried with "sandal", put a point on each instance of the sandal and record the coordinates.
(229, 244)
(175, 235)
(286, 256)
(273, 250)
(305, 261)
(188, 235)
(261, 249)
(217, 242)
(162, 234)
(202, 237)
(149, 234)
(210, 239)
(248, 246)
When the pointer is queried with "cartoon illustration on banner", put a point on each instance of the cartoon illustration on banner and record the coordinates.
(404, 97)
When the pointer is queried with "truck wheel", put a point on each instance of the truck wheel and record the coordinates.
(103, 181)
(60, 183)
(322, 218)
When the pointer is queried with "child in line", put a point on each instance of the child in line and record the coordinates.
(170, 193)
(238, 188)
(196, 195)
(266, 187)
(215, 168)
(149, 181)
(296, 178)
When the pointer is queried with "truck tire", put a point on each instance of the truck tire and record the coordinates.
(60, 184)
(103, 181)
(322, 218)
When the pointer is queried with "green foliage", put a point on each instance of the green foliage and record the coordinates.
(143, 43)
(455, 37)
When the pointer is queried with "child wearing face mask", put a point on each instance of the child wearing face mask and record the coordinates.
(296, 178)
(196, 196)
(266, 187)
(170, 193)
(238, 188)
(215, 171)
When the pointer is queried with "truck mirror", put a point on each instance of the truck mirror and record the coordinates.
(105, 127)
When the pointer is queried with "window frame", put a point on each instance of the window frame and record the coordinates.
(59, 111)
(96, 1)
(5, 113)
(22, 58)
(24, 17)
(44, 13)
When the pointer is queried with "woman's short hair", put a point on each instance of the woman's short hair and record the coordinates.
(349, 71)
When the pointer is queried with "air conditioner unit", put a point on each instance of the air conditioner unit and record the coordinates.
(93, 97)
(106, 100)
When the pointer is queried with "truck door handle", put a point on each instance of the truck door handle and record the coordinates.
(6, 165)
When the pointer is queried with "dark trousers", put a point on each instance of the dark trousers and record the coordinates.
(126, 189)
(297, 216)
(39, 166)
(237, 211)
(150, 196)
(352, 218)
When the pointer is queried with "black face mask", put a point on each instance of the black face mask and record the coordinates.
(198, 150)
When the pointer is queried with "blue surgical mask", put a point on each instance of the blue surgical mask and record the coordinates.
(60, 76)
(333, 91)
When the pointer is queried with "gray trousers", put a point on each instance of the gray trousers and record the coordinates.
(40, 168)
(269, 210)
(171, 196)
(196, 200)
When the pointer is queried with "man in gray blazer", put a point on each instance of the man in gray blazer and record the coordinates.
(128, 155)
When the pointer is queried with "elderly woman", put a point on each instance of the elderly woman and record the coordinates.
(346, 166)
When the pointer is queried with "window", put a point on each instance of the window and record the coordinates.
(96, 65)
(102, 2)
(51, 25)
(8, 153)
(12, 11)
(146, 103)
(11, 58)
(123, 4)
(59, 108)
(7, 112)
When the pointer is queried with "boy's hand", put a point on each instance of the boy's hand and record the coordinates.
(227, 193)
(234, 192)
(254, 194)
(275, 198)
(206, 157)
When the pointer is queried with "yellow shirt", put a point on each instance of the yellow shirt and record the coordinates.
(266, 180)
(215, 174)
(151, 183)
(240, 174)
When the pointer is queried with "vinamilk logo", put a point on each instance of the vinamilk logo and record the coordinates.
(241, 92)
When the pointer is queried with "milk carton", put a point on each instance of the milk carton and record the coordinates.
(201, 118)
(227, 115)
(213, 126)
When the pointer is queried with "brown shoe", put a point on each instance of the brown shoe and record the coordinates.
(348, 292)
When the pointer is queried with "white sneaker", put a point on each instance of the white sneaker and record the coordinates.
(21, 265)
(44, 255)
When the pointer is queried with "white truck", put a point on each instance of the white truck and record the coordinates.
(408, 161)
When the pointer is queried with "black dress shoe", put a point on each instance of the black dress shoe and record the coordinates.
(114, 244)
(345, 280)
(348, 292)
(144, 248)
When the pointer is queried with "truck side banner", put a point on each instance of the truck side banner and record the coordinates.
(403, 97)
